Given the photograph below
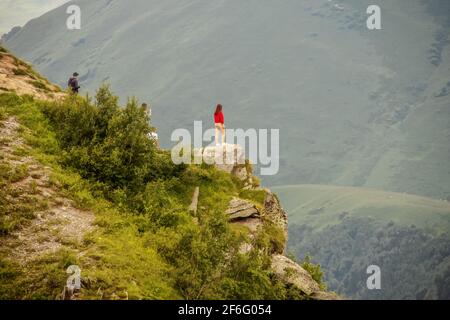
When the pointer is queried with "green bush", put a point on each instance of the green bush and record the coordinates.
(107, 143)
(271, 238)
(315, 271)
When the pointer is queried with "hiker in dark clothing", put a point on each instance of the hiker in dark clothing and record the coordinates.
(73, 83)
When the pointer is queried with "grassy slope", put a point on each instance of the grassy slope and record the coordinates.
(114, 256)
(319, 206)
(128, 255)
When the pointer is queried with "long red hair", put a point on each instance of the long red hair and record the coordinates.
(218, 109)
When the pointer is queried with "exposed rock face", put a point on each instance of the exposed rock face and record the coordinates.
(293, 274)
(231, 159)
(246, 213)
(225, 157)
(274, 212)
(241, 209)
(243, 173)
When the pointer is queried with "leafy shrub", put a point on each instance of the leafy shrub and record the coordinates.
(314, 270)
(271, 238)
(107, 143)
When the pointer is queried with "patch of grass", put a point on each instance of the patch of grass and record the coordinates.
(17, 208)
(241, 232)
(257, 196)
(20, 72)
(40, 85)
(12, 173)
(10, 274)
(25, 69)
(44, 279)
(138, 274)
(271, 238)
(32, 73)
(21, 64)
(33, 187)
(20, 152)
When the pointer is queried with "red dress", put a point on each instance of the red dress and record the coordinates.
(218, 118)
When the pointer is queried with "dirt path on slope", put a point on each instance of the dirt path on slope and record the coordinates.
(56, 222)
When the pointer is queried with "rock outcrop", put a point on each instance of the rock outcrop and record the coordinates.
(245, 212)
(293, 274)
(242, 209)
(225, 157)
(274, 212)
(231, 159)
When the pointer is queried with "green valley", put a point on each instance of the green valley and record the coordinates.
(347, 229)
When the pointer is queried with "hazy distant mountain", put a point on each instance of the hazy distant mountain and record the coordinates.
(5, 37)
(355, 107)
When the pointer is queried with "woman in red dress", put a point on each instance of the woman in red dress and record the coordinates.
(219, 121)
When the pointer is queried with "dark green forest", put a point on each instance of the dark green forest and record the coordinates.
(414, 263)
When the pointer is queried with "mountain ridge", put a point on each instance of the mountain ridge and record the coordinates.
(351, 103)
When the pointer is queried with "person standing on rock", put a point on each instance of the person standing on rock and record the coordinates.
(73, 83)
(219, 121)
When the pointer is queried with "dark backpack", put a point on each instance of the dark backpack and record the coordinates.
(71, 82)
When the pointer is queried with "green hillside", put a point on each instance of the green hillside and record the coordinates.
(81, 183)
(320, 206)
(348, 229)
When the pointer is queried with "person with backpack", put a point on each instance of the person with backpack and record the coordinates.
(219, 121)
(73, 83)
